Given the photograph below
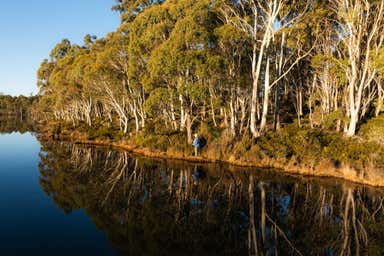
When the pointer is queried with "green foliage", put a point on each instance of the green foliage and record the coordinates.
(154, 103)
(373, 129)
(158, 142)
(61, 50)
(331, 118)
(210, 132)
(362, 155)
(242, 147)
(104, 133)
(378, 62)
(308, 147)
(336, 66)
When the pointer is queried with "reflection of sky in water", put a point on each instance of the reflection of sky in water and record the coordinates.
(144, 197)
(195, 202)
(29, 220)
(284, 205)
(327, 210)
(329, 252)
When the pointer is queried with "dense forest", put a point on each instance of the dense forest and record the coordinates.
(241, 65)
(258, 79)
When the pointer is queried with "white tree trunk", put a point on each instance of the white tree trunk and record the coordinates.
(266, 99)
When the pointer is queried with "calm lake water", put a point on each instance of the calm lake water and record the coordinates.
(64, 199)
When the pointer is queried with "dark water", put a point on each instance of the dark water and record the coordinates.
(66, 199)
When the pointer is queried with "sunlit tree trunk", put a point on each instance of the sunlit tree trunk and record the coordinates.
(266, 98)
(361, 33)
(188, 123)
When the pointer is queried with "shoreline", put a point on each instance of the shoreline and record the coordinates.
(345, 172)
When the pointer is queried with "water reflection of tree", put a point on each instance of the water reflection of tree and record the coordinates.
(11, 124)
(148, 207)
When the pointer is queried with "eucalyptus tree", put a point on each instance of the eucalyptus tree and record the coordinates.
(160, 78)
(51, 79)
(83, 105)
(111, 72)
(147, 31)
(230, 69)
(263, 22)
(233, 64)
(180, 62)
(129, 9)
(360, 30)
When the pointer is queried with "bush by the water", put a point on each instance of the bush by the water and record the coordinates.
(373, 129)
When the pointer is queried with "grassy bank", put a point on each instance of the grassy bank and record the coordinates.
(303, 151)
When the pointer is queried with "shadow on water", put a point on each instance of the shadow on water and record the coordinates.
(160, 207)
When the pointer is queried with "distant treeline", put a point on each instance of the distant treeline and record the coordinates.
(16, 106)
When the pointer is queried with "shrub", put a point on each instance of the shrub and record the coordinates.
(373, 129)
(210, 132)
(103, 132)
(152, 141)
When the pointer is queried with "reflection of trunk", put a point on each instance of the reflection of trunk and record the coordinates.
(323, 205)
(117, 174)
(263, 211)
(346, 234)
(230, 198)
(252, 238)
(188, 185)
(179, 199)
(350, 207)
(170, 185)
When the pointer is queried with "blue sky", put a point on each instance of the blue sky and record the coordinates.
(30, 29)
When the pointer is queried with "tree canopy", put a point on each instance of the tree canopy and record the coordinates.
(242, 66)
